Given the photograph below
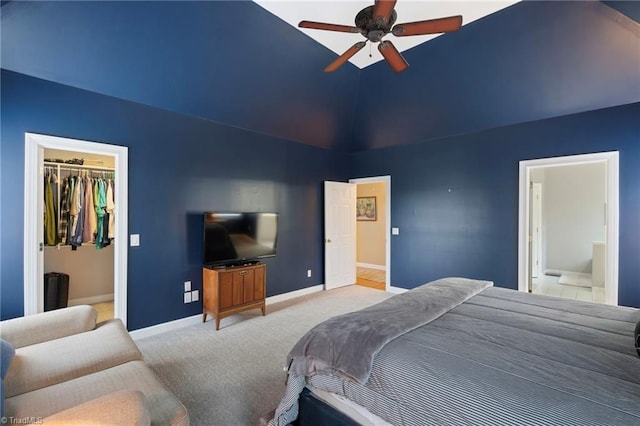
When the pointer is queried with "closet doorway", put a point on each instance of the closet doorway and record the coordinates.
(97, 272)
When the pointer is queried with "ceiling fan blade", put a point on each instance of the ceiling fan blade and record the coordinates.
(382, 11)
(345, 57)
(432, 26)
(328, 27)
(392, 56)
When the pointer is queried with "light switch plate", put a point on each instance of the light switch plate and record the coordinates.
(134, 240)
(195, 295)
(395, 231)
(187, 297)
(187, 286)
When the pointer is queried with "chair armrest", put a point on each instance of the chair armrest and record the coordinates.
(118, 408)
(32, 329)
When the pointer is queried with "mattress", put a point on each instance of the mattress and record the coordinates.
(344, 405)
(501, 357)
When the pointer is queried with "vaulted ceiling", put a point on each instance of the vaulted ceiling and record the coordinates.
(238, 64)
(344, 13)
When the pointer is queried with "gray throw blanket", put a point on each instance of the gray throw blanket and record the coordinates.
(346, 345)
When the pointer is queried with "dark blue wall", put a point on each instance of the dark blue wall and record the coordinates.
(235, 64)
(628, 8)
(228, 61)
(179, 167)
(531, 61)
(455, 199)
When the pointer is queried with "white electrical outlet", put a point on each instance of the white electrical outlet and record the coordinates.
(187, 297)
(195, 295)
(395, 231)
(187, 286)
(308, 273)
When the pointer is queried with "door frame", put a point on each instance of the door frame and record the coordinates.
(612, 214)
(386, 179)
(536, 211)
(34, 211)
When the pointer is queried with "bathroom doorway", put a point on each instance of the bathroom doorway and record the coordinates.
(569, 248)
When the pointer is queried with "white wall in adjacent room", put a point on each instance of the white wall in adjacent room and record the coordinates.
(371, 235)
(574, 198)
(90, 270)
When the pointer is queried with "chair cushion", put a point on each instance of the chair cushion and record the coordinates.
(118, 408)
(164, 407)
(50, 325)
(55, 361)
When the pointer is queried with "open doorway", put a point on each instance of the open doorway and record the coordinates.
(569, 227)
(85, 259)
(37, 148)
(372, 231)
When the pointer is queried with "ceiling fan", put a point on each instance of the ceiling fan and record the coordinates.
(375, 22)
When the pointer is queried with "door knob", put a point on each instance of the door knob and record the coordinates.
(328, 240)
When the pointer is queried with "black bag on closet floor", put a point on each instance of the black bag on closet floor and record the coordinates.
(56, 290)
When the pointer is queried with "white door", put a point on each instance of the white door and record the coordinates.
(536, 230)
(339, 234)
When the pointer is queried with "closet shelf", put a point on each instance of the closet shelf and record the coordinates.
(65, 166)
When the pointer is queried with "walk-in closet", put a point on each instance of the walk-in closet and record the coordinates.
(79, 230)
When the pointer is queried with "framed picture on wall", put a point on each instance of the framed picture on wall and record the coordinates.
(366, 208)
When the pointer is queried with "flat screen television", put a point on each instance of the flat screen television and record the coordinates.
(236, 238)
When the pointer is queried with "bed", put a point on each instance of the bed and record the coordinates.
(458, 351)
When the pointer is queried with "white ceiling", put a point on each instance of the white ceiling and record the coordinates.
(344, 13)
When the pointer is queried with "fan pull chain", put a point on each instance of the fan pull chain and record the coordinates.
(370, 55)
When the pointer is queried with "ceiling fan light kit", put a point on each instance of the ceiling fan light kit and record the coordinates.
(374, 23)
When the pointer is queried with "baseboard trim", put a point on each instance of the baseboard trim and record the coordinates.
(371, 266)
(293, 294)
(101, 298)
(165, 326)
(197, 319)
(396, 290)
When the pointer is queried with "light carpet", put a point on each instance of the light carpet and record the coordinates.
(235, 375)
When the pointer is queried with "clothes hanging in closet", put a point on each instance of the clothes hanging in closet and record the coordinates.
(77, 213)
(86, 210)
(90, 220)
(110, 211)
(50, 211)
(64, 212)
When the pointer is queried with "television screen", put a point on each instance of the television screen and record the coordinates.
(239, 237)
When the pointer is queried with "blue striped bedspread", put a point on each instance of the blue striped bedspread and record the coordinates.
(500, 357)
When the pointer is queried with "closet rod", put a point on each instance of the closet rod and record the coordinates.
(67, 166)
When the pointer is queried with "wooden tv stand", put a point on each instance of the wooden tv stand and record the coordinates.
(230, 290)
